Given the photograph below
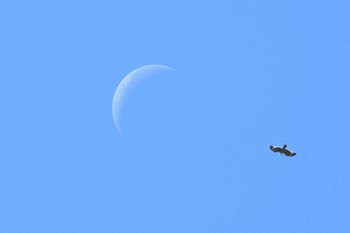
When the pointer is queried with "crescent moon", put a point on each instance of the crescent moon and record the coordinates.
(126, 84)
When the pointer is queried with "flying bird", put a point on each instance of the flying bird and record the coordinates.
(282, 150)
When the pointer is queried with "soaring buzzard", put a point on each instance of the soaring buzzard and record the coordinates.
(282, 150)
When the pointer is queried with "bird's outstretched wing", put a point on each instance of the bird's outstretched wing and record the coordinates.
(289, 153)
(276, 148)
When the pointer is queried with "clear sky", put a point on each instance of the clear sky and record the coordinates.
(194, 155)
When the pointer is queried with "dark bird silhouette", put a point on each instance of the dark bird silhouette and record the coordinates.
(282, 150)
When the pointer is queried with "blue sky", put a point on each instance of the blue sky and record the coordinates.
(194, 156)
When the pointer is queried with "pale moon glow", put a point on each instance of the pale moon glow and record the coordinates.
(126, 84)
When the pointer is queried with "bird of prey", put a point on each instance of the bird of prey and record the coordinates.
(282, 150)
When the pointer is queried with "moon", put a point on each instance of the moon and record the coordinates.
(127, 83)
